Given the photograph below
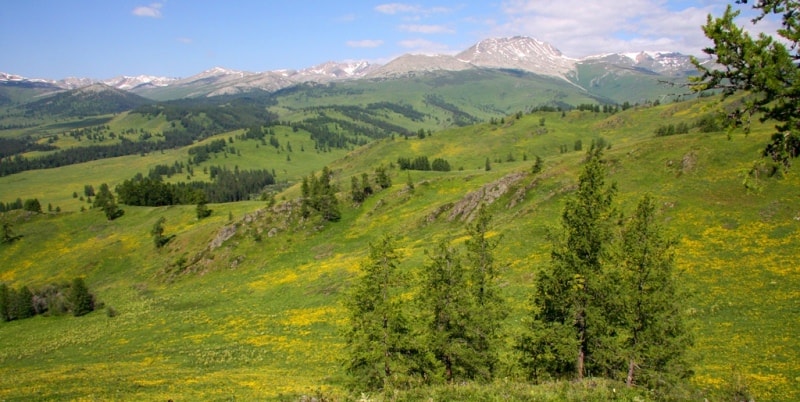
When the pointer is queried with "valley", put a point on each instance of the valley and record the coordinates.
(249, 303)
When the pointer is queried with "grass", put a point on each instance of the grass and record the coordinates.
(261, 316)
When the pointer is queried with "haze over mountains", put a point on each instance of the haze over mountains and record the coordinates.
(516, 53)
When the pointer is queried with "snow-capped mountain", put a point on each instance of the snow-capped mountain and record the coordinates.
(663, 63)
(516, 53)
(128, 83)
(519, 53)
(335, 71)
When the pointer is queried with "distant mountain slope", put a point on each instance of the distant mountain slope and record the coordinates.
(619, 77)
(92, 100)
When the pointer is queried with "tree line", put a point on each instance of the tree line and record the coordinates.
(422, 163)
(226, 186)
(76, 155)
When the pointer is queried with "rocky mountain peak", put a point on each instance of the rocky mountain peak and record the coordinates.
(518, 52)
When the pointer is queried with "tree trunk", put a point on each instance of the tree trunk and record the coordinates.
(631, 368)
(581, 358)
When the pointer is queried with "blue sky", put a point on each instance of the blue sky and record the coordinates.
(179, 38)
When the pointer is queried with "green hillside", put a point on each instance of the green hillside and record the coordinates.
(247, 303)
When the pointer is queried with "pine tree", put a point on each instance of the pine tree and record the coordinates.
(568, 320)
(657, 335)
(490, 308)
(80, 299)
(379, 351)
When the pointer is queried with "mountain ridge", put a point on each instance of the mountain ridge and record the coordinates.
(513, 53)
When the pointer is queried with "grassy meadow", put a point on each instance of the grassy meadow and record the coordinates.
(260, 316)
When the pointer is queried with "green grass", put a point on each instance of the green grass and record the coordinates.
(261, 316)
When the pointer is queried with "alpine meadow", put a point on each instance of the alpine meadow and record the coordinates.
(502, 224)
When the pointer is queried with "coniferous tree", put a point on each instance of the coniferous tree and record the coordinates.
(657, 336)
(766, 68)
(568, 322)
(356, 191)
(105, 200)
(21, 304)
(490, 307)
(158, 233)
(81, 301)
(382, 178)
(33, 205)
(537, 165)
(5, 302)
(8, 236)
(448, 314)
(379, 352)
(202, 210)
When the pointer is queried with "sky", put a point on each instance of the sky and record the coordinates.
(101, 39)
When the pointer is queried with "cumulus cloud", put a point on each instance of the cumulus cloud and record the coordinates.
(426, 29)
(579, 28)
(152, 11)
(365, 43)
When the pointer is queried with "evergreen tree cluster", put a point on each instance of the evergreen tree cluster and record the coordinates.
(319, 196)
(607, 305)
(226, 186)
(53, 299)
(201, 153)
(76, 155)
(672, 129)
(449, 332)
(105, 201)
(422, 163)
(361, 189)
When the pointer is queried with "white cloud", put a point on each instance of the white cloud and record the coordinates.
(365, 43)
(152, 11)
(403, 8)
(183, 40)
(580, 28)
(426, 29)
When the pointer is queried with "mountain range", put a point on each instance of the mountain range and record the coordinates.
(518, 53)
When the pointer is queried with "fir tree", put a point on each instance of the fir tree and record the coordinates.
(657, 337)
(568, 321)
(490, 307)
(80, 299)
(448, 312)
(379, 352)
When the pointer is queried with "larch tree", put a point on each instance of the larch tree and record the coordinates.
(568, 321)
(448, 311)
(656, 333)
(378, 338)
(491, 308)
(765, 68)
